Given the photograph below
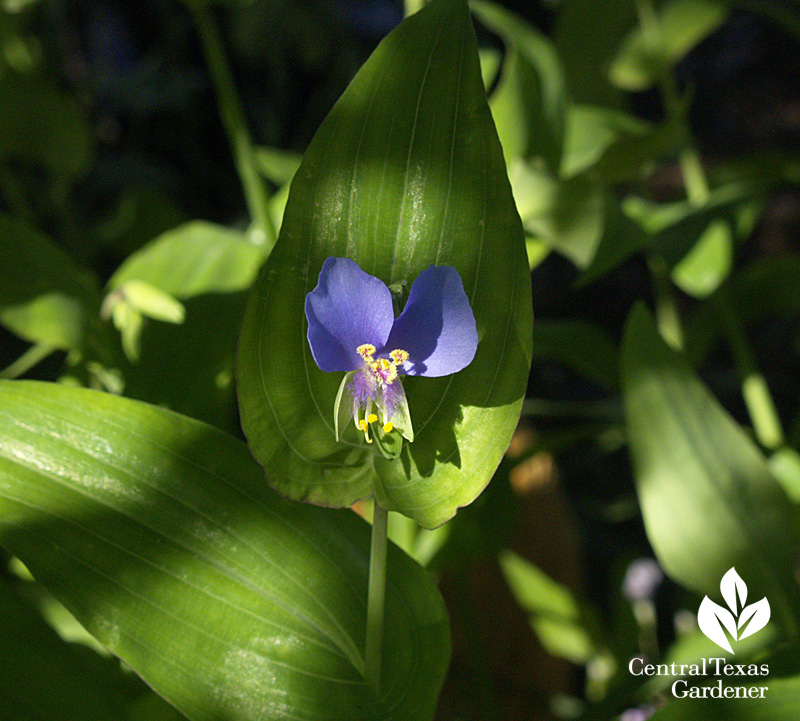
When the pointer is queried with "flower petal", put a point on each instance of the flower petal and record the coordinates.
(347, 309)
(437, 326)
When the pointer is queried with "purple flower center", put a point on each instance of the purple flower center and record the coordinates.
(376, 384)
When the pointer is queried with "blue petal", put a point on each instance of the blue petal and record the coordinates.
(347, 309)
(437, 326)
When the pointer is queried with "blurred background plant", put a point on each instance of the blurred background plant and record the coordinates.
(145, 155)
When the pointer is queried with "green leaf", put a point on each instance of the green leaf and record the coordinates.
(405, 172)
(679, 26)
(194, 259)
(672, 229)
(706, 266)
(205, 343)
(529, 103)
(152, 302)
(158, 533)
(45, 297)
(277, 165)
(591, 131)
(779, 702)
(40, 124)
(708, 500)
(565, 215)
(765, 288)
(587, 36)
(555, 615)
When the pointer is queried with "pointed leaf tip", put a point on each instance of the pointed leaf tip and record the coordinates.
(404, 173)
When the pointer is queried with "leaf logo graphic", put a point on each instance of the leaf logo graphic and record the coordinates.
(740, 621)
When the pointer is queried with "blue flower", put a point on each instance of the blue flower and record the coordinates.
(352, 328)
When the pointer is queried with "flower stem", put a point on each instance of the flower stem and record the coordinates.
(757, 398)
(376, 594)
(31, 357)
(235, 124)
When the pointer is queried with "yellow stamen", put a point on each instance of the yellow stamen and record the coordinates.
(388, 427)
(362, 424)
(366, 351)
(399, 356)
(371, 418)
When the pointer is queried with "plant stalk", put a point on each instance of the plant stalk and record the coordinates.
(757, 398)
(31, 357)
(376, 595)
(235, 124)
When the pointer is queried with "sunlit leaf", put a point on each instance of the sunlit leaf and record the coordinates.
(706, 266)
(587, 36)
(158, 533)
(406, 171)
(591, 131)
(555, 614)
(276, 165)
(680, 26)
(671, 229)
(765, 288)
(708, 499)
(45, 297)
(565, 215)
(194, 259)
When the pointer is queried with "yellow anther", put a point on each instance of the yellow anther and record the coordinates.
(388, 427)
(399, 356)
(366, 351)
(362, 424)
(371, 418)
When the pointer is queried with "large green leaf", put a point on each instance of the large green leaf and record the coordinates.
(158, 533)
(708, 500)
(405, 172)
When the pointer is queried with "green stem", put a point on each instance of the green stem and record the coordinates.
(757, 398)
(376, 594)
(694, 176)
(235, 124)
(31, 357)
